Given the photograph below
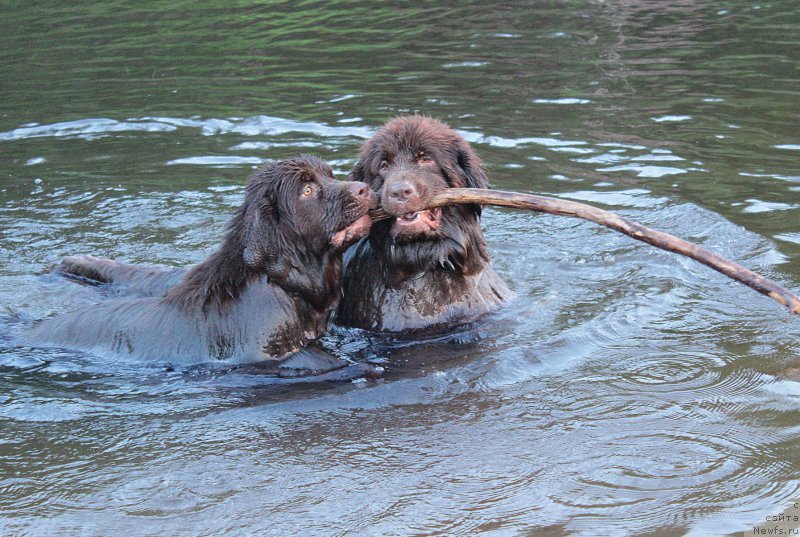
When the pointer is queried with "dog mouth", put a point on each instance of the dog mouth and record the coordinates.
(347, 236)
(417, 223)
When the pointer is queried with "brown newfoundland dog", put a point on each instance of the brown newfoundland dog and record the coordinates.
(264, 294)
(424, 269)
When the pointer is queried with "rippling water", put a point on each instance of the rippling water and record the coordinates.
(626, 391)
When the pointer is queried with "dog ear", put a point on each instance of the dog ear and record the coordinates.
(260, 223)
(470, 166)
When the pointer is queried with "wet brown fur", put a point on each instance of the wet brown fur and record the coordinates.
(266, 292)
(390, 284)
(435, 279)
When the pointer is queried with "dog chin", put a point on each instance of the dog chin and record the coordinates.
(347, 236)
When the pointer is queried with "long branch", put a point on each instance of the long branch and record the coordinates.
(633, 229)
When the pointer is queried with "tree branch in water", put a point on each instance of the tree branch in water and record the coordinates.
(608, 219)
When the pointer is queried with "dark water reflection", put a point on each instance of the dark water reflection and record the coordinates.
(626, 391)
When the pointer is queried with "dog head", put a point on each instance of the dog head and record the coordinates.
(407, 162)
(295, 211)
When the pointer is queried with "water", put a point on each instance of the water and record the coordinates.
(627, 391)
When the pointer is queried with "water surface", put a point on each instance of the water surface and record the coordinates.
(626, 391)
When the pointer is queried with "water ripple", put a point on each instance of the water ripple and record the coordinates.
(89, 128)
(92, 128)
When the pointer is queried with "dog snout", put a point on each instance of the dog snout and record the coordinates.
(403, 192)
(359, 189)
(360, 193)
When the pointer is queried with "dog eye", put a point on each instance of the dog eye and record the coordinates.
(384, 166)
(308, 190)
(423, 157)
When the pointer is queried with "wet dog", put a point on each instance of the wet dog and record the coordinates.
(267, 292)
(423, 269)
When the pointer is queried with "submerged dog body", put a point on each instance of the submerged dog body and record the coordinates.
(121, 279)
(423, 269)
(265, 293)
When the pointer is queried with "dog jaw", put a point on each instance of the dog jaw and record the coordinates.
(417, 223)
(347, 236)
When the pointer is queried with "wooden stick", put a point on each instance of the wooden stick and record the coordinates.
(633, 229)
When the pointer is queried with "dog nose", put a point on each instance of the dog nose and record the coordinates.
(358, 189)
(402, 191)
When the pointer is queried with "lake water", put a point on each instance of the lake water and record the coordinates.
(627, 391)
